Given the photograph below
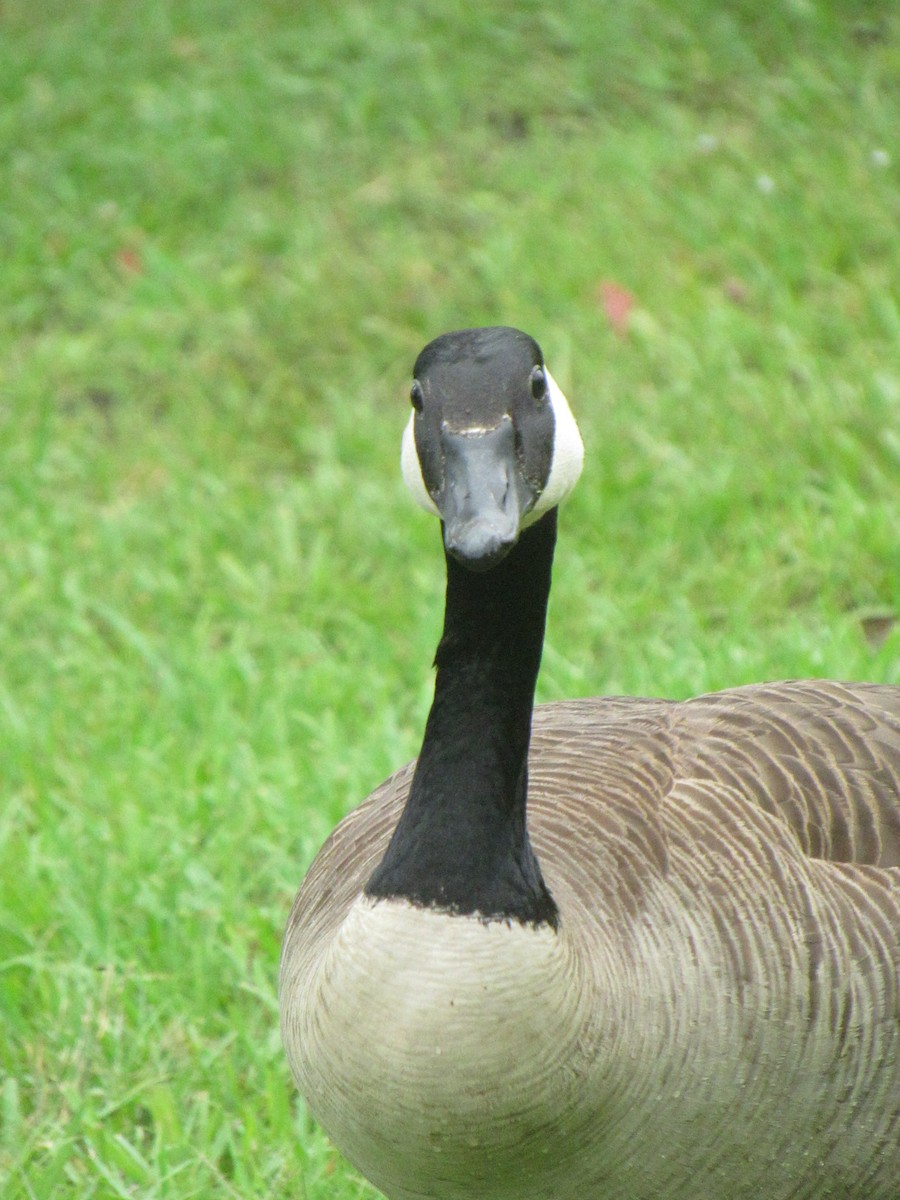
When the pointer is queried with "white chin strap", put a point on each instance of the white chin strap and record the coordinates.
(568, 455)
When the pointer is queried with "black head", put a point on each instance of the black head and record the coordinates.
(484, 438)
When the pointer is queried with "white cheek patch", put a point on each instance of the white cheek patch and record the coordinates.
(412, 471)
(568, 455)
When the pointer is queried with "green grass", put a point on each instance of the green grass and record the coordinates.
(226, 231)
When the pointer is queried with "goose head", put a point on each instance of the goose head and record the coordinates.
(491, 444)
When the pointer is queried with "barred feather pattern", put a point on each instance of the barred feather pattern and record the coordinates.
(727, 871)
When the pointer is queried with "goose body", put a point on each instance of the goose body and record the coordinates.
(679, 977)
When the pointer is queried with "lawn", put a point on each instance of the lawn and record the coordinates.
(226, 231)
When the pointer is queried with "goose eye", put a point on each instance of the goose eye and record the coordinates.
(538, 384)
(415, 396)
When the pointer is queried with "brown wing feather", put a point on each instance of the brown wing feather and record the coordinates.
(824, 757)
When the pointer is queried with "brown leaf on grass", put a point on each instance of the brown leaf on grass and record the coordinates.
(129, 260)
(877, 627)
(617, 303)
(736, 290)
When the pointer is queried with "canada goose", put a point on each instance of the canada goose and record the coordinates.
(680, 979)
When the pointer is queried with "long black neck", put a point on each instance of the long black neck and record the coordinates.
(461, 843)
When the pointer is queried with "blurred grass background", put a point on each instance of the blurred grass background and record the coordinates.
(226, 231)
